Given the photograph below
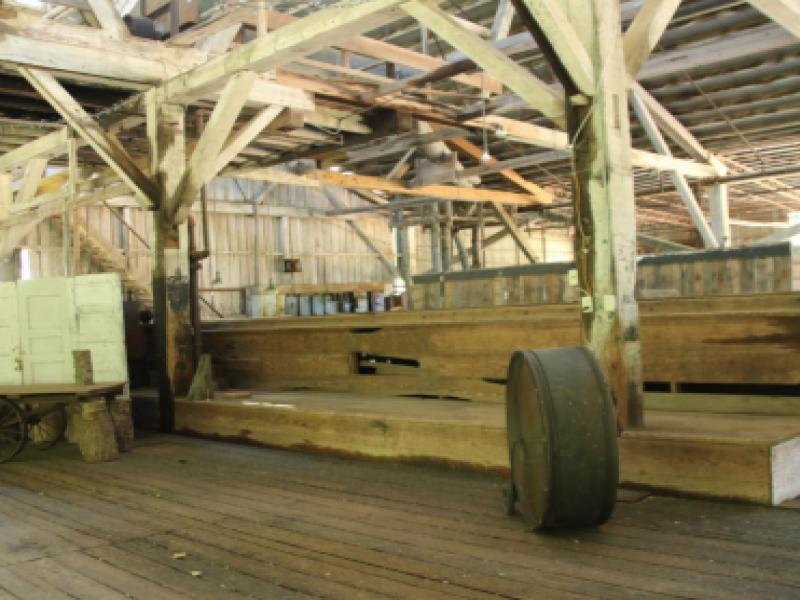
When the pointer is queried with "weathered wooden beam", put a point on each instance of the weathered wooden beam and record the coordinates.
(657, 242)
(503, 17)
(394, 144)
(781, 235)
(87, 55)
(105, 144)
(109, 19)
(475, 152)
(291, 42)
(384, 51)
(676, 130)
(169, 260)
(785, 13)
(719, 213)
(206, 154)
(220, 41)
(644, 32)
(564, 41)
(234, 16)
(518, 162)
(443, 72)
(443, 192)
(545, 137)
(519, 238)
(47, 146)
(681, 185)
(538, 94)
(244, 136)
(6, 195)
(34, 172)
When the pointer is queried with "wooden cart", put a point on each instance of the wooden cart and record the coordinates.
(38, 412)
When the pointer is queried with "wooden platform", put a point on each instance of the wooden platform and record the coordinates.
(257, 523)
(742, 457)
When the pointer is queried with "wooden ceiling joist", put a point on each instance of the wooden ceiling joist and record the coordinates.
(319, 178)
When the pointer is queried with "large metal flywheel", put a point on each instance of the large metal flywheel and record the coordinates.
(562, 439)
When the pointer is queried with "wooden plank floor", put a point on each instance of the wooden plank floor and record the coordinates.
(263, 523)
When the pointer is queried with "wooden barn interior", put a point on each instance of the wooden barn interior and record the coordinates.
(400, 299)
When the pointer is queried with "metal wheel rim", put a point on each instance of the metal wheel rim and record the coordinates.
(13, 430)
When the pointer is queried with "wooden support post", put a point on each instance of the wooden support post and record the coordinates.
(605, 246)
(72, 244)
(436, 238)
(404, 255)
(720, 217)
(447, 234)
(169, 259)
(477, 239)
(463, 256)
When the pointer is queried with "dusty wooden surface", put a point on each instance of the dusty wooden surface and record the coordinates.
(75, 390)
(270, 524)
(710, 455)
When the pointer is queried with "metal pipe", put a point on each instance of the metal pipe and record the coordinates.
(755, 175)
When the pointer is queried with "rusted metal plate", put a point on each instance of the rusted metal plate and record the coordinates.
(562, 439)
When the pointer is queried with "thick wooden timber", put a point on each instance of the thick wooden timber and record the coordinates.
(545, 137)
(728, 456)
(102, 142)
(645, 31)
(604, 209)
(538, 94)
(47, 146)
(565, 42)
(738, 340)
(291, 42)
(378, 49)
(445, 192)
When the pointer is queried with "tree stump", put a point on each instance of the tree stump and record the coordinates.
(123, 423)
(73, 433)
(98, 441)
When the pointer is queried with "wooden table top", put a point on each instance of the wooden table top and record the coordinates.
(62, 389)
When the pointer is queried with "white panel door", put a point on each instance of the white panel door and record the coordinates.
(10, 364)
(46, 322)
(99, 324)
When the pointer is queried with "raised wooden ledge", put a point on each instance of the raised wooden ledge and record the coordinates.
(745, 458)
(777, 304)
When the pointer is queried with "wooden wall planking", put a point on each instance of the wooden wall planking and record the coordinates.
(740, 271)
(746, 339)
(329, 250)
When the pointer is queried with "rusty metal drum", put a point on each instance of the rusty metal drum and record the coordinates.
(562, 439)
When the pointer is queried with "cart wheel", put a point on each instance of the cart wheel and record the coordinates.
(13, 430)
(48, 429)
